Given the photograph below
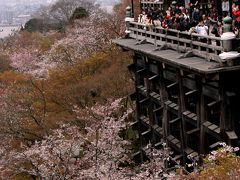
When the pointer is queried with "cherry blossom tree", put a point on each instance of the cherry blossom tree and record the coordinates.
(95, 152)
(70, 153)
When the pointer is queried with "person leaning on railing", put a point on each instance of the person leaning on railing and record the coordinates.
(200, 29)
(217, 30)
(149, 22)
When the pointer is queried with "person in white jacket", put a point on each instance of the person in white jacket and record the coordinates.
(202, 29)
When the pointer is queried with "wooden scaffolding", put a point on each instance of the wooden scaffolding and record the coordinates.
(185, 94)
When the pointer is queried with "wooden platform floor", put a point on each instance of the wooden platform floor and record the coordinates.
(169, 56)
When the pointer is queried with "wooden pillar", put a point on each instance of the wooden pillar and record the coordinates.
(202, 119)
(182, 108)
(198, 99)
(150, 104)
(164, 97)
(137, 79)
(226, 94)
(163, 91)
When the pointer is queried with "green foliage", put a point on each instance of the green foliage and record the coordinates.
(43, 25)
(220, 164)
(4, 63)
(45, 43)
(79, 13)
(22, 176)
(131, 133)
(33, 25)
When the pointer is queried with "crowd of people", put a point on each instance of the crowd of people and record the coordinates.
(204, 21)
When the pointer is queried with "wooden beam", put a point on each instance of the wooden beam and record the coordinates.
(146, 133)
(143, 101)
(158, 109)
(193, 131)
(174, 120)
(141, 70)
(153, 77)
(172, 85)
(214, 145)
(191, 92)
(213, 103)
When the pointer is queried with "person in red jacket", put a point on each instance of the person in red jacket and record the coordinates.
(236, 14)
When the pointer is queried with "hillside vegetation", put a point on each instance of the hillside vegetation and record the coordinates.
(64, 101)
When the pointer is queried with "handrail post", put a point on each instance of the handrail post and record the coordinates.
(227, 39)
(178, 35)
(166, 38)
(128, 19)
(191, 45)
(155, 40)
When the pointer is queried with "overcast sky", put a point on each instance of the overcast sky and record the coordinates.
(43, 1)
(22, 1)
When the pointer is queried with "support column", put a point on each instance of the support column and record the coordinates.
(182, 108)
(202, 119)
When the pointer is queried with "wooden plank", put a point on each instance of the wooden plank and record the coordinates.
(191, 115)
(175, 141)
(231, 135)
(176, 108)
(217, 130)
(207, 123)
(178, 145)
(156, 96)
(152, 93)
(189, 151)
(170, 57)
(146, 120)
(212, 127)
(194, 155)
(214, 145)
(172, 105)
(159, 131)
(186, 113)
(167, 102)
(195, 118)
(170, 137)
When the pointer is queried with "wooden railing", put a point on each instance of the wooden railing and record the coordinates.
(184, 42)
